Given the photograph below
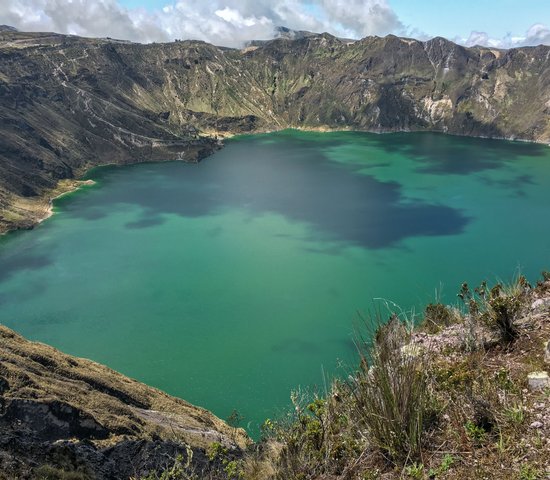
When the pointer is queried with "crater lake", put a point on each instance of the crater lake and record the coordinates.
(231, 282)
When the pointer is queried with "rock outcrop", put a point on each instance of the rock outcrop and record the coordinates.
(76, 415)
(70, 103)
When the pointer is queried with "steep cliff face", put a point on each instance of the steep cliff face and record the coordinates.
(69, 103)
(77, 415)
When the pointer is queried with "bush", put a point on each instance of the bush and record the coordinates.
(499, 307)
(391, 393)
(436, 317)
(503, 307)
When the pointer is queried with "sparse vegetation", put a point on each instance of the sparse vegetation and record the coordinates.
(47, 472)
(427, 410)
(391, 394)
(438, 316)
(418, 406)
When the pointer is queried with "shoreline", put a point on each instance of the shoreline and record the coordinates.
(76, 185)
(40, 209)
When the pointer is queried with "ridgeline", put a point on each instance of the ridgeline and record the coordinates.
(69, 103)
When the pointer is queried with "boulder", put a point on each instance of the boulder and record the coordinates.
(538, 380)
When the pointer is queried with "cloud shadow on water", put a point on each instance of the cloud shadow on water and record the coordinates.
(290, 176)
(287, 177)
(20, 261)
(146, 222)
(442, 154)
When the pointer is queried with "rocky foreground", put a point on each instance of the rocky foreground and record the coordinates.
(69, 103)
(64, 414)
(464, 395)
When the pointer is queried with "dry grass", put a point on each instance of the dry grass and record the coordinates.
(122, 405)
(418, 410)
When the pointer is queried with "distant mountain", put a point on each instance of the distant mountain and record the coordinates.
(289, 34)
(7, 28)
(69, 103)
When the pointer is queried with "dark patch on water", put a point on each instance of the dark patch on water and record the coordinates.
(32, 289)
(516, 185)
(442, 154)
(20, 261)
(146, 222)
(290, 177)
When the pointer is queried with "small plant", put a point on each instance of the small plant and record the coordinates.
(415, 471)
(503, 380)
(446, 463)
(216, 451)
(475, 432)
(178, 471)
(268, 429)
(528, 472)
(436, 317)
(515, 414)
(233, 470)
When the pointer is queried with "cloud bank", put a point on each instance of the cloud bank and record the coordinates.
(538, 34)
(223, 22)
(228, 22)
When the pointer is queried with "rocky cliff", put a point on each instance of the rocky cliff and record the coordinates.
(69, 103)
(71, 414)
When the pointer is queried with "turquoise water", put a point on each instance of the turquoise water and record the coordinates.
(231, 282)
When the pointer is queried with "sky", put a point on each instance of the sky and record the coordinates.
(496, 23)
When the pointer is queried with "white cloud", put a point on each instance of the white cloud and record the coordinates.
(536, 35)
(229, 22)
(360, 18)
(223, 22)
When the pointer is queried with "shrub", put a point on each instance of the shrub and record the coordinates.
(436, 317)
(499, 306)
(391, 393)
(502, 313)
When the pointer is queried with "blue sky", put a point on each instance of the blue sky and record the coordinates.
(496, 23)
(449, 18)
(452, 18)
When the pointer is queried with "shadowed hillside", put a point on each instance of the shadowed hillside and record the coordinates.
(70, 103)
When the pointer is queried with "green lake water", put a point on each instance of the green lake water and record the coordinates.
(231, 282)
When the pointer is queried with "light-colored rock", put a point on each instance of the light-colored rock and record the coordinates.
(536, 425)
(540, 303)
(538, 380)
(412, 350)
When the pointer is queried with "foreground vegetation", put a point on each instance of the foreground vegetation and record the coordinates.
(448, 399)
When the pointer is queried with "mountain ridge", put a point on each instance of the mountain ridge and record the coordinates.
(69, 103)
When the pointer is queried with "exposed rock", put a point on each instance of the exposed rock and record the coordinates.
(538, 380)
(76, 414)
(50, 420)
(540, 304)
